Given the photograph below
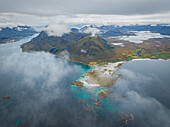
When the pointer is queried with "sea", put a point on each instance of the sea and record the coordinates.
(41, 94)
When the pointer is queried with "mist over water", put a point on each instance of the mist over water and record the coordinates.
(146, 83)
(41, 96)
(38, 84)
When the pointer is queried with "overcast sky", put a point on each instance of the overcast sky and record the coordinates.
(43, 11)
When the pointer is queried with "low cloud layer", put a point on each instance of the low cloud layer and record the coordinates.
(90, 30)
(56, 29)
(53, 7)
(142, 36)
(146, 93)
(96, 19)
(10, 25)
(29, 65)
(38, 84)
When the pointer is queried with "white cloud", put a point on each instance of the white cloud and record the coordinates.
(142, 36)
(91, 30)
(29, 65)
(83, 51)
(10, 25)
(121, 44)
(65, 54)
(56, 29)
(141, 101)
(157, 114)
(38, 84)
(97, 19)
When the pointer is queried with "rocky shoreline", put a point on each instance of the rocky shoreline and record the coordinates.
(100, 84)
(100, 76)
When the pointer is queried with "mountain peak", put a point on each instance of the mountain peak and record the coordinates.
(81, 47)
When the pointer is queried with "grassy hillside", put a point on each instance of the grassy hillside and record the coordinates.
(90, 49)
(81, 47)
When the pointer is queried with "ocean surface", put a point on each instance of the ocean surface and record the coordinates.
(39, 85)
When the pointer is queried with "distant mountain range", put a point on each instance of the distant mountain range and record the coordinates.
(12, 34)
(84, 47)
(113, 30)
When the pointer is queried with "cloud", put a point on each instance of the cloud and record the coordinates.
(148, 111)
(53, 7)
(38, 84)
(10, 25)
(65, 54)
(29, 64)
(93, 31)
(135, 76)
(142, 99)
(56, 29)
(41, 12)
(142, 36)
(84, 19)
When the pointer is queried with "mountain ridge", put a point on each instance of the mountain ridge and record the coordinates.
(81, 47)
(16, 33)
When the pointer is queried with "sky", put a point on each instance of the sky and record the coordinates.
(121, 12)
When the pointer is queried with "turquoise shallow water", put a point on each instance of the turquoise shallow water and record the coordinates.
(89, 95)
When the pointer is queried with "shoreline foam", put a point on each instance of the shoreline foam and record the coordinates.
(110, 66)
(108, 72)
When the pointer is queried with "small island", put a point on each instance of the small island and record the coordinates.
(77, 83)
(104, 93)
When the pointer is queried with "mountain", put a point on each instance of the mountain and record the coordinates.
(108, 31)
(84, 48)
(12, 34)
(113, 30)
(90, 49)
(43, 42)
(80, 47)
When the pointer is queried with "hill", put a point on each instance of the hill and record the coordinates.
(80, 47)
(12, 34)
(43, 42)
(90, 49)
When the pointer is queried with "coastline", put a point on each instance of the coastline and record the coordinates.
(102, 77)
(94, 97)
(146, 59)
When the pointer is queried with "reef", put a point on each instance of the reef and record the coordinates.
(104, 93)
(6, 97)
(77, 83)
(81, 101)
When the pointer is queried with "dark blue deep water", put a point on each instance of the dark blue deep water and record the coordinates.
(41, 94)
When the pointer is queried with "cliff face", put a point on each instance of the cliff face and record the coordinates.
(80, 47)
